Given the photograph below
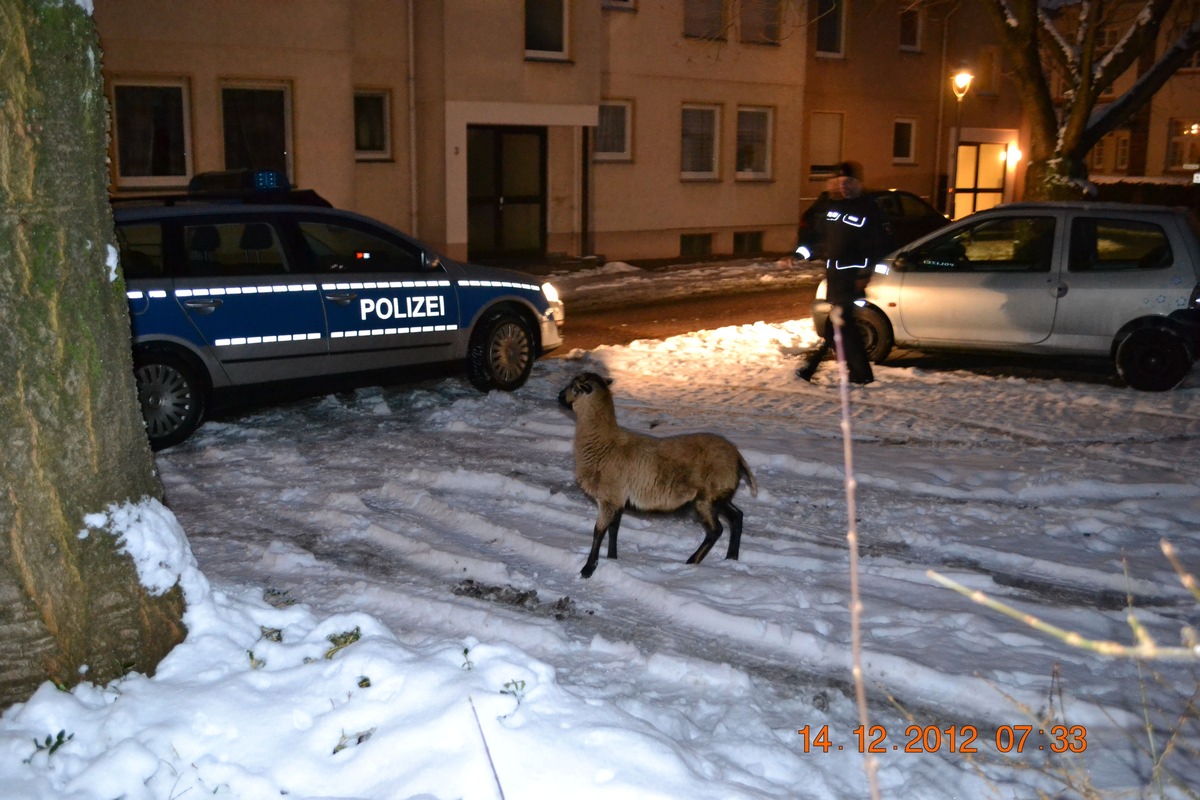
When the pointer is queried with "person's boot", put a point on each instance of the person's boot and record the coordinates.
(806, 372)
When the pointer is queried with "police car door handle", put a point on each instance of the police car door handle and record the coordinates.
(342, 298)
(1060, 290)
(204, 306)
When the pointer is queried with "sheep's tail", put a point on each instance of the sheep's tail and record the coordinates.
(744, 471)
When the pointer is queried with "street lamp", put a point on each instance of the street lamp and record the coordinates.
(960, 82)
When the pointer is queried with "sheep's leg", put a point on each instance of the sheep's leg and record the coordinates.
(607, 521)
(734, 515)
(612, 532)
(712, 532)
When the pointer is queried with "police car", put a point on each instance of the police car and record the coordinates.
(235, 287)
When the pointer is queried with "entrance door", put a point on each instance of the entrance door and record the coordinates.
(979, 176)
(506, 193)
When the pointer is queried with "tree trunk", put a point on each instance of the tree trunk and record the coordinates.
(71, 436)
(1056, 178)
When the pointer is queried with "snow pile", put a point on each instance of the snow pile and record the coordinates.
(396, 611)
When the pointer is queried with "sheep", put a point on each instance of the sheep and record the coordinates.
(619, 468)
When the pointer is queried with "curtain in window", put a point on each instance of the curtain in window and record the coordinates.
(752, 131)
(255, 129)
(150, 141)
(610, 134)
(699, 140)
(704, 19)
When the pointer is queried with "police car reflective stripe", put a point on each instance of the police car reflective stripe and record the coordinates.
(283, 337)
(222, 291)
(392, 331)
(327, 287)
(529, 287)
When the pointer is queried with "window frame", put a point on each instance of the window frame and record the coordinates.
(267, 86)
(715, 34)
(919, 30)
(825, 169)
(751, 16)
(625, 154)
(715, 152)
(535, 54)
(1177, 144)
(836, 16)
(987, 71)
(911, 156)
(153, 181)
(768, 144)
(385, 153)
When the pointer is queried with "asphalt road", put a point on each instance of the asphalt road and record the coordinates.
(592, 328)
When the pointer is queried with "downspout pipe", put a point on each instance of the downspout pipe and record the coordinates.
(411, 85)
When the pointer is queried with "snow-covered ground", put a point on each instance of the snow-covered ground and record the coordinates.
(391, 607)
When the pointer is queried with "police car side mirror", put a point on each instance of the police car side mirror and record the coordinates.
(431, 260)
(903, 261)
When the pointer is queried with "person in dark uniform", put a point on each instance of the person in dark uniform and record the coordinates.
(851, 238)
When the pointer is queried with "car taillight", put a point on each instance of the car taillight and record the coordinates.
(1194, 300)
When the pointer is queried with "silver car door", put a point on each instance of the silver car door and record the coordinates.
(995, 281)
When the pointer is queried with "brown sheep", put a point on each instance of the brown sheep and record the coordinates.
(619, 468)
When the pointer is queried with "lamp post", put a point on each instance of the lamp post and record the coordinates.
(960, 82)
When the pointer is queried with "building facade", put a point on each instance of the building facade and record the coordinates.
(537, 130)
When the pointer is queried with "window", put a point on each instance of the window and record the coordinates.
(141, 248)
(825, 143)
(747, 242)
(613, 132)
(904, 137)
(987, 71)
(753, 143)
(1183, 149)
(546, 29)
(1095, 159)
(699, 145)
(1110, 245)
(1122, 152)
(704, 19)
(256, 123)
(233, 248)
(760, 21)
(340, 248)
(372, 126)
(151, 133)
(830, 32)
(695, 244)
(911, 24)
(1007, 244)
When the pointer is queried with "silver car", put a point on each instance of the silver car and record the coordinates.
(1064, 278)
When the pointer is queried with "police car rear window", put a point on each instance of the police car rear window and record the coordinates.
(233, 248)
(141, 248)
(341, 248)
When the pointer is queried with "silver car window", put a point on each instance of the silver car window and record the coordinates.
(1110, 245)
(998, 244)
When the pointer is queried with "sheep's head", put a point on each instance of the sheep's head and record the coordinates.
(581, 385)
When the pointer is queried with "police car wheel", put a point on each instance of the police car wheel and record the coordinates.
(172, 398)
(500, 355)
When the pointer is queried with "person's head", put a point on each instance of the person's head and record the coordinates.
(844, 186)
